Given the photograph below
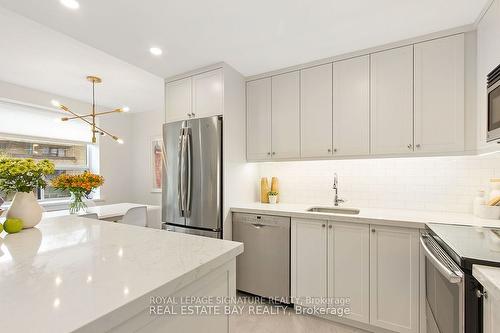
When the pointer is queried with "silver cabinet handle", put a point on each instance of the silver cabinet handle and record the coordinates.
(410, 146)
(192, 114)
(334, 150)
(418, 145)
(373, 230)
(323, 225)
(274, 153)
(480, 294)
(268, 153)
(330, 226)
(258, 226)
(329, 150)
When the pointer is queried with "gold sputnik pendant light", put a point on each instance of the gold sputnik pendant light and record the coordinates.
(95, 129)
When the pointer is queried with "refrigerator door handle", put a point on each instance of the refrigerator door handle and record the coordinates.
(180, 180)
(189, 175)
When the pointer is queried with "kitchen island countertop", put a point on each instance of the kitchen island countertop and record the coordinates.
(69, 272)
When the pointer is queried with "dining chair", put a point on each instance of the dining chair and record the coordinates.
(90, 216)
(136, 216)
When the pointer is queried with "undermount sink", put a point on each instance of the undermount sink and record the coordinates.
(334, 210)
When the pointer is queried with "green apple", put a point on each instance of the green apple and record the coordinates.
(13, 225)
(1, 228)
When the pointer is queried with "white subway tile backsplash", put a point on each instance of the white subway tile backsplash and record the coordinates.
(431, 183)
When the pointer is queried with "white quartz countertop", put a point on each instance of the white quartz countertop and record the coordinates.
(70, 271)
(489, 277)
(395, 217)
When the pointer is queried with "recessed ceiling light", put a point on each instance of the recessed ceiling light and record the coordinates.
(155, 51)
(125, 109)
(55, 103)
(71, 4)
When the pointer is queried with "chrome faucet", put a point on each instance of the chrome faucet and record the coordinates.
(336, 199)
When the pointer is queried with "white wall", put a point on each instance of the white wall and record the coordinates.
(145, 126)
(488, 57)
(430, 183)
(116, 159)
(238, 184)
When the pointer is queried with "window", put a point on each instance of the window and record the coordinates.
(67, 157)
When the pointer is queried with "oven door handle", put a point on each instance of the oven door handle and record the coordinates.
(452, 276)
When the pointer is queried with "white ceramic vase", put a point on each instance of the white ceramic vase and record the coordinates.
(25, 207)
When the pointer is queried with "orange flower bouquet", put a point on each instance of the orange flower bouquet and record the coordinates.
(79, 186)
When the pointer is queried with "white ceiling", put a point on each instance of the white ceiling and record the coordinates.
(37, 57)
(253, 36)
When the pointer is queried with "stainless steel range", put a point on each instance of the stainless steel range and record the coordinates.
(454, 297)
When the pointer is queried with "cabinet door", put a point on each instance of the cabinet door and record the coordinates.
(349, 266)
(207, 94)
(178, 100)
(285, 116)
(316, 111)
(351, 107)
(259, 119)
(392, 101)
(308, 259)
(439, 95)
(394, 278)
(491, 313)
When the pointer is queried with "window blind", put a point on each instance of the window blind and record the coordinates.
(25, 120)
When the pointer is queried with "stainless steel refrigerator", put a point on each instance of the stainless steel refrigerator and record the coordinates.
(192, 177)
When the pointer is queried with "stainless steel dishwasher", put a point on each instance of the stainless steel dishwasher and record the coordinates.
(263, 268)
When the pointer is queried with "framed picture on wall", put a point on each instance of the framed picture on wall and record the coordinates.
(156, 151)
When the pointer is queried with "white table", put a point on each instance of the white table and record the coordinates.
(104, 212)
(115, 212)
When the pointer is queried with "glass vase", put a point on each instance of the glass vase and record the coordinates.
(77, 205)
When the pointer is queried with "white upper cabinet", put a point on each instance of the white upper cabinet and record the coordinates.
(178, 99)
(402, 101)
(392, 101)
(316, 111)
(285, 116)
(439, 95)
(308, 259)
(208, 94)
(351, 107)
(349, 266)
(394, 278)
(259, 119)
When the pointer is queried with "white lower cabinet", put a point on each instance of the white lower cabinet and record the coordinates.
(394, 278)
(377, 267)
(491, 314)
(349, 267)
(308, 259)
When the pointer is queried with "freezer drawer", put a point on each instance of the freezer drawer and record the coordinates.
(192, 231)
(263, 268)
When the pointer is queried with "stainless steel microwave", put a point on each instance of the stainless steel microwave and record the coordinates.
(494, 104)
